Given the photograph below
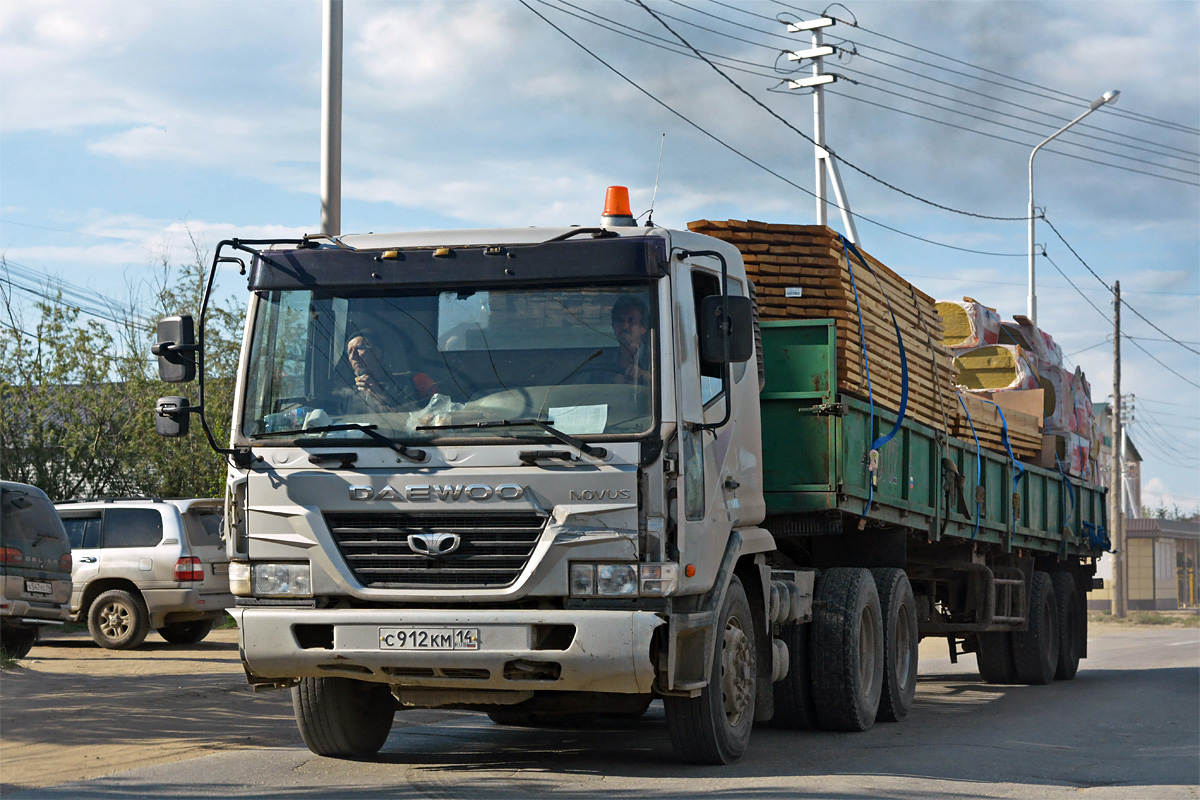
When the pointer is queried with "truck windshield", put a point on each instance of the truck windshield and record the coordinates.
(424, 366)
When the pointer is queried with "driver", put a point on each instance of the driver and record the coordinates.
(378, 390)
(630, 322)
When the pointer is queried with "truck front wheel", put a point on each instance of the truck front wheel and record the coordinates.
(847, 649)
(341, 717)
(714, 727)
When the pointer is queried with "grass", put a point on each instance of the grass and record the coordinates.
(1166, 619)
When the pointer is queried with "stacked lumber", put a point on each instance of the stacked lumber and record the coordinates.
(800, 271)
(1024, 430)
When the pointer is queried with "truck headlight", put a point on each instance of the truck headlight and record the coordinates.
(281, 580)
(239, 578)
(623, 580)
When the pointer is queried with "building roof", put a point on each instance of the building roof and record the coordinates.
(1153, 528)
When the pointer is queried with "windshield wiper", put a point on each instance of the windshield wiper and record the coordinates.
(411, 453)
(565, 438)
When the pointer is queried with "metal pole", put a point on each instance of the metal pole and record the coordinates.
(819, 131)
(1105, 99)
(1115, 522)
(331, 119)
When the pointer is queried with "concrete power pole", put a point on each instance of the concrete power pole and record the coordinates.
(1116, 506)
(331, 119)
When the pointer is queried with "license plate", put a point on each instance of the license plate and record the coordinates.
(429, 638)
(38, 587)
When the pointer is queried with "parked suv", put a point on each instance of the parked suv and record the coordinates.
(35, 567)
(147, 563)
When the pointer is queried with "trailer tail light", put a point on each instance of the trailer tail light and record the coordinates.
(11, 555)
(189, 568)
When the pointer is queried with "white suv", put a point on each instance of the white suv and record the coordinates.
(147, 563)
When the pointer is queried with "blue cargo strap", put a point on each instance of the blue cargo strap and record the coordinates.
(978, 464)
(1070, 491)
(1097, 537)
(873, 456)
(1020, 469)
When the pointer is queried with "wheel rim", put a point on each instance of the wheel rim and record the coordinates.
(114, 620)
(866, 649)
(902, 657)
(737, 666)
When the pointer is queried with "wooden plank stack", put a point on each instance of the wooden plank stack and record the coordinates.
(1024, 430)
(800, 272)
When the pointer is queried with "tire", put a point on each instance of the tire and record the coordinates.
(900, 639)
(118, 620)
(847, 650)
(794, 705)
(342, 717)
(714, 727)
(1035, 650)
(1071, 633)
(995, 658)
(16, 642)
(186, 632)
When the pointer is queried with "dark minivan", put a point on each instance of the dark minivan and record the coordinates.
(35, 567)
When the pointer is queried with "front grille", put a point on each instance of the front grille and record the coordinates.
(495, 549)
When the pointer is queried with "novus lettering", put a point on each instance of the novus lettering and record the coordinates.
(602, 494)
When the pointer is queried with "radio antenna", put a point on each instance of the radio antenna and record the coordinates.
(657, 173)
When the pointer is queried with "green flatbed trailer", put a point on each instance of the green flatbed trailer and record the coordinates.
(970, 526)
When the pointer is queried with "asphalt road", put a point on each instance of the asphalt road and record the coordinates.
(1127, 727)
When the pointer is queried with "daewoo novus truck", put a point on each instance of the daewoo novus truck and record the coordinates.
(550, 472)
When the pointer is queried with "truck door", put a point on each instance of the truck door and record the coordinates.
(705, 511)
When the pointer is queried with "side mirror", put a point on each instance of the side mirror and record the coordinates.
(172, 416)
(716, 328)
(176, 349)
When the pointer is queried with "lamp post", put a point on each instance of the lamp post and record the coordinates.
(1102, 100)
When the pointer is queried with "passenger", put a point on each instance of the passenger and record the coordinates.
(378, 390)
(630, 322)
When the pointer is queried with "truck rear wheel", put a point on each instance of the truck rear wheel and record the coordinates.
(714, 727)
(847, 650)
(899, 609)
(1035, 651)
(341, 717)
(995, 658)
(794, 707)
(1072, 630)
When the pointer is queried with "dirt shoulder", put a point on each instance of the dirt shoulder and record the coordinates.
(72, 710)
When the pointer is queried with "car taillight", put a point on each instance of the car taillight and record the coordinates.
(11, 555)
(189, 568)
(65, 562)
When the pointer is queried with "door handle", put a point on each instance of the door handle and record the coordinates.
(88, 560)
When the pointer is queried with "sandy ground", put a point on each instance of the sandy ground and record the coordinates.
(72, 710)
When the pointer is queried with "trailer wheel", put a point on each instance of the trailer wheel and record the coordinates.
(847, 650)
(341, 717)
(995, 658)
(714, 727)
(1071, 633)
(900, 640)
(1035, 651)
(794, 707)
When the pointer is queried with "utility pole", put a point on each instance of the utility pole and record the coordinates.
(1116, 507)
(331, 119)
(826, 165)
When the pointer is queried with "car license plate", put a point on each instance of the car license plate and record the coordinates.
(429, 638)
(38, 587)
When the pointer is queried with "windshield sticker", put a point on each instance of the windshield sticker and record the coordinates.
(579, 420)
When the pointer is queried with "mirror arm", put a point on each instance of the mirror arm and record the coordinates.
(726, 372)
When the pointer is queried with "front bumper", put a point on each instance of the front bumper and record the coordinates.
(608, 652)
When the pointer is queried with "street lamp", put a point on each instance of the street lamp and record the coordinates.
(1102, 100)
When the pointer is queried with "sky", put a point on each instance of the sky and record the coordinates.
(131, 128)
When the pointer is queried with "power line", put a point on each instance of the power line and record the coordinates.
(1131, 308)
(744, 156)
(809, 139)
